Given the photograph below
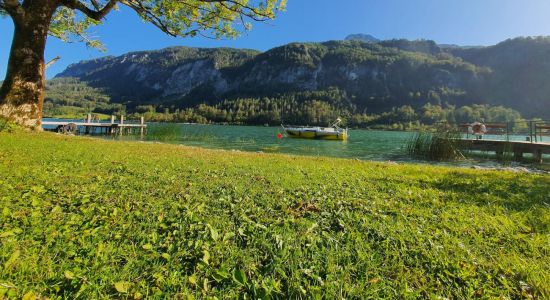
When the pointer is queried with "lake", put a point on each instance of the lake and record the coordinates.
(362, 144)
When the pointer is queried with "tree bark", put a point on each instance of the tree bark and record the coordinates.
(22, 93)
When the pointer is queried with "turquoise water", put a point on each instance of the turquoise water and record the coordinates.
(368, 145)
(362, 144)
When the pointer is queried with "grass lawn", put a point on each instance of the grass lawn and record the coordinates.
(88, 218)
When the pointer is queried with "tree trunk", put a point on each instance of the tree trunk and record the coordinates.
(22, 93)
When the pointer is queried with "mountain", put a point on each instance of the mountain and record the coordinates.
(520, 73)
(378, 77)
(153, 75)
(362, 37)
(423, 46)
(350, 76)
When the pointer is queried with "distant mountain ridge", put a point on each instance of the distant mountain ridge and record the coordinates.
(375, 76)
(362, 37)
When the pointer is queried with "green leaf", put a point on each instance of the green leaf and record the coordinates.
(192, 279)
(241, 231)
(147, 247)
(221, 275)
(12, 260)
(239, 276)
(206, 257)
(6, 212)
(29, 296)
(228, 236)
(38, 189)
(69, 275)
(123, 286)
(6, 234)
(213, 233)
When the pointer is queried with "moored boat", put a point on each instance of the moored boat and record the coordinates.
(333, 132)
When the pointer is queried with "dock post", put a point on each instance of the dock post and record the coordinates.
(518, 155)
(110, 129)
(89, 118)
(531, 131)
(141, 128)
(537, 156)
(121, 130)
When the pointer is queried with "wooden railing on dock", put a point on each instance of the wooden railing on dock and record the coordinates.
(532, 130)
(503, 137)
(90, 126)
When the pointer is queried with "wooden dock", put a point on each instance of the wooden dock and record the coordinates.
(90, 127)
(519, 138)
(519, 148)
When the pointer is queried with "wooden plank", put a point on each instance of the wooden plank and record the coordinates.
(494, 125)
(512, 146)
(48, 123)
(504, 126)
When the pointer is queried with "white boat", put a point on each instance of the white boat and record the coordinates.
(333, 132)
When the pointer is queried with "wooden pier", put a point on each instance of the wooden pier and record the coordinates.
(89, 126)
(534, 133)
(518, 148)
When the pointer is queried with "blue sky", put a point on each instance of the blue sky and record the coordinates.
(463, 22)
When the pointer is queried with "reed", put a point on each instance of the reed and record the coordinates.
(507, 154)
(441, 145)
(164, 132)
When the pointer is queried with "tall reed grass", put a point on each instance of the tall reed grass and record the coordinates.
(164, 132)
(442, 145)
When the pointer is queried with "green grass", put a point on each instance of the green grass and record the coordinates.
(87, 218)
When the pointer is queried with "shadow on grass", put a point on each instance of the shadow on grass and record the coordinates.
(518, 193)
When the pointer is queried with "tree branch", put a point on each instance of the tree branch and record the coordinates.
(9, 4)
(152, 15)
(13, 8)
(95, 4)
(145, 12)
(97, 14)
(53, 61)
(253, 12)
(230, 5)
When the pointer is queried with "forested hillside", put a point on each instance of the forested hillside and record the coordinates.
(520, 73)
(375, 82)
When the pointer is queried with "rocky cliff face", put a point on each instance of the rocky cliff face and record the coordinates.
(375, 75)
(153, 75)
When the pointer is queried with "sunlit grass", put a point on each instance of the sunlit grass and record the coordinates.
(89, 218)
